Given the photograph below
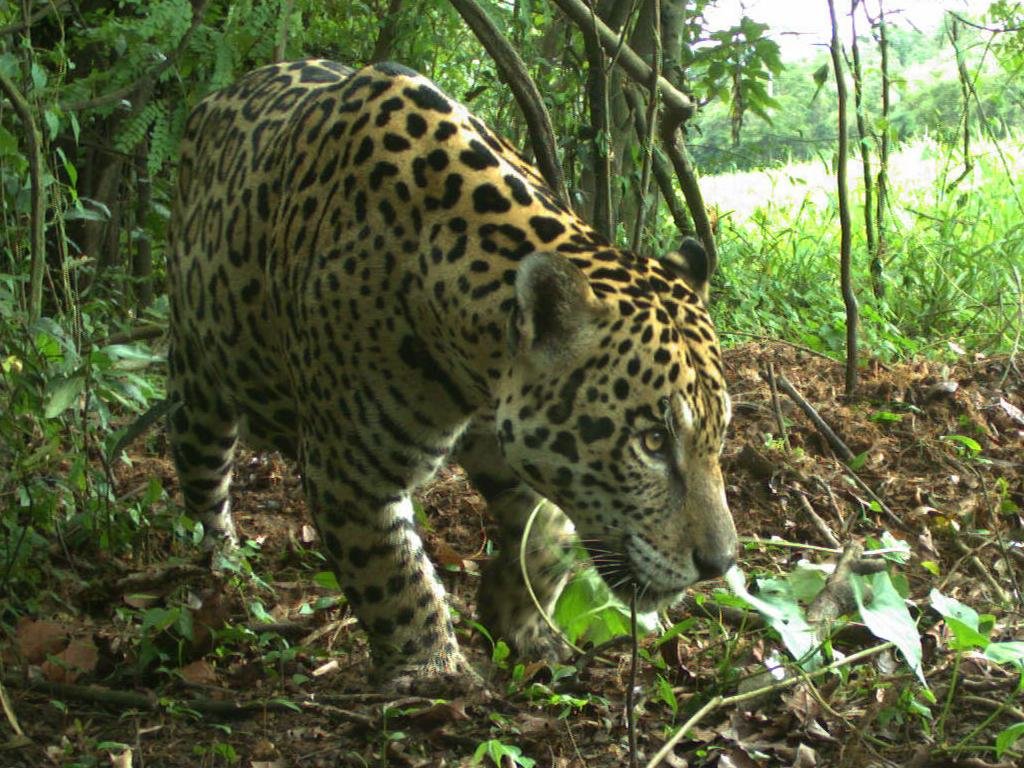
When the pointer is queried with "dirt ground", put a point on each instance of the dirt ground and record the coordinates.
(297, 696)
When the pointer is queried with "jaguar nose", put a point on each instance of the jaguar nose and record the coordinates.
(710, 566)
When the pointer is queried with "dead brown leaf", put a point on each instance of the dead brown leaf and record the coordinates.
(199, 672)
(78, 658)
(35, 640)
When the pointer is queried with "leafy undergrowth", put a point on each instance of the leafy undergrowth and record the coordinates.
(177, 654)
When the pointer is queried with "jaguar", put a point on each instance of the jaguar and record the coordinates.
(365, 277)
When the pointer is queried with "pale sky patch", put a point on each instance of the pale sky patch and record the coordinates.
(802, 26)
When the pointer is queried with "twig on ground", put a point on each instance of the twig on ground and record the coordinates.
(893, 517)
(819, 423)
(726, 701)
(983, 571)
(734, 617)
(9, 713)
(846, 523)
(777, 407)
(816, 519)
(838, 446)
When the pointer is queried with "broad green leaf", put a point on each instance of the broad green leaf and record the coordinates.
(1010, 652)
(888, 618)
(783, 614)
(951, 608)
(806, 581)
(63, 395)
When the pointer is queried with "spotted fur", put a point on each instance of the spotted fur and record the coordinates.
(367, 278)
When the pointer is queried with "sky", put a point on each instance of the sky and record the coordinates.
(798, 26)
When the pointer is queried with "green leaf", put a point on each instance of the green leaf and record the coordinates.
(38, 76)
(63, 395)
(1007, 738)
(586, 608)
(962, 620)
(886, 417)
(888, 618)
(8, 64)
(52, 121)
(971, 445)
(806, 581)
(858, 461)
(783, 613)
(327, 580)
(259, 613)
(667, 695)
(1010, 652)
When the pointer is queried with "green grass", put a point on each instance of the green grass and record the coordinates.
(953, 269)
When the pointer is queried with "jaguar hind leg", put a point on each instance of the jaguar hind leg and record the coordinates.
(203, 432)
(504, 604)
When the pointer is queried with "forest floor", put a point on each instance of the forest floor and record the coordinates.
(261, 696)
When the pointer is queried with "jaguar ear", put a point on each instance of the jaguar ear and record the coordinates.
(692, 264)
(554, 302)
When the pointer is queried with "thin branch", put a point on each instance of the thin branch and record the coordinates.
(652, 118)
(877, 284)
(662, 172)
(513, 71)
(816, 519)
(845, 256)
(675, 100)
(597, 97)
(150, 702)
(882, 183)
(976, 25)
(37, 210)
(777, 406)
(691, 191)
(634, 662)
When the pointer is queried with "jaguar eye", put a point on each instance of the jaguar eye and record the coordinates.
(654, 441)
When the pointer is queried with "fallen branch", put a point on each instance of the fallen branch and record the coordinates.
(893, 518)
(820, 424)
(151, 702)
